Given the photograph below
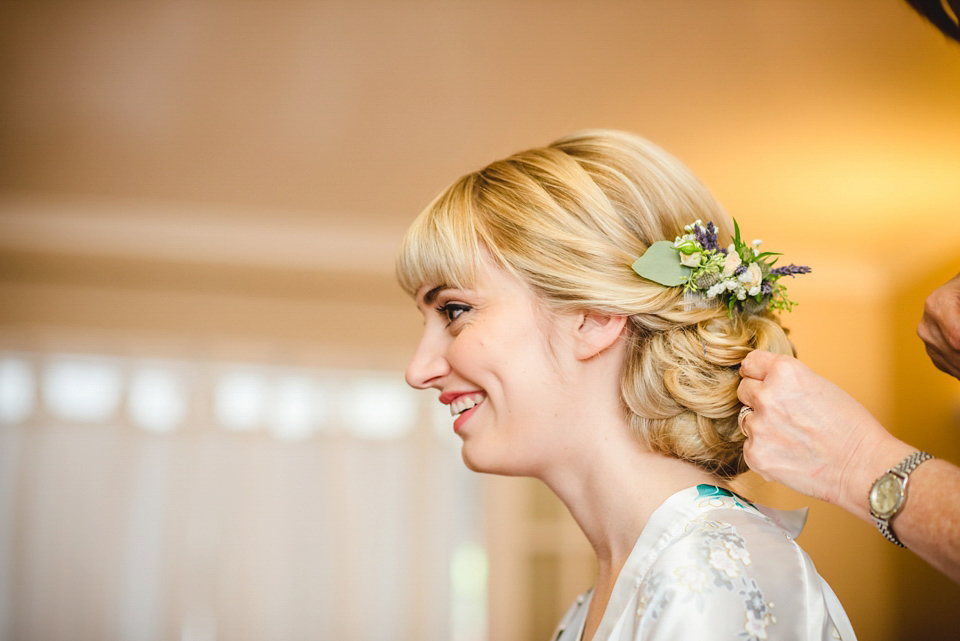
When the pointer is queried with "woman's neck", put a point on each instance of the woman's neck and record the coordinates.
(613, 486)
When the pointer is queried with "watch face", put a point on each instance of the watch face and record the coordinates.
(886, 495)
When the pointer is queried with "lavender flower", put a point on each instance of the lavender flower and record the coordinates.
(790, 270)
(766, 287)
(707, 237)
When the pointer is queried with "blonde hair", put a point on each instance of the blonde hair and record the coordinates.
(569, 219)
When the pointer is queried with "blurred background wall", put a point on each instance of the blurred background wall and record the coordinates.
(203, 428)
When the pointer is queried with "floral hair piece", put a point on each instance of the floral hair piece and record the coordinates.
(739, 275)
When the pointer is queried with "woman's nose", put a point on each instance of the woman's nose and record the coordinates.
(428, 366)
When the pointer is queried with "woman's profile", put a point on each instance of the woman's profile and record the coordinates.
(614, 380)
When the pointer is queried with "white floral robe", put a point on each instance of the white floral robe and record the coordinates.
(710, 565)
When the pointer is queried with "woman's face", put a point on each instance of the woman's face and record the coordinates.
(488, 350)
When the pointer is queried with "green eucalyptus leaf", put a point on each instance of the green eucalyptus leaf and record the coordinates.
(661, 264)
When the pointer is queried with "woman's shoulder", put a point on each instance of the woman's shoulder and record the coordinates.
(729, 537)
(717, 513)
(731, 560)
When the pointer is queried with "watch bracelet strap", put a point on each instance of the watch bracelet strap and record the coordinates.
(904, 467)
(884, 527)
(910, 463)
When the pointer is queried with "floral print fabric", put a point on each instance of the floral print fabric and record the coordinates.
(711, 565)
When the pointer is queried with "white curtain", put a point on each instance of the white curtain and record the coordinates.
(189, 500)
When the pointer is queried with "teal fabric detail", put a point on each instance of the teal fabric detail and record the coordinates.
(705, 491)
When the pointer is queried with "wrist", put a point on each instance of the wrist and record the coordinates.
(888, 496)
(865, 468)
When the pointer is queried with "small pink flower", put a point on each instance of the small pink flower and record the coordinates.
(731, 262)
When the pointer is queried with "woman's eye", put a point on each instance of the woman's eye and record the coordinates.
(452, 311)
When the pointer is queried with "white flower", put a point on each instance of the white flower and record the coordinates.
(717, 288)
(722, 562)
(753, 291)
(731, 262)
(752, 276)
(756, 242)
(738, 552)
(755, 627)
(690, 260)
(692, 578)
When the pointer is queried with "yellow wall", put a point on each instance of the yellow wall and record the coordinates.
(230, 179)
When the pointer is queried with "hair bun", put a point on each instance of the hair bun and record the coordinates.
(680, 385)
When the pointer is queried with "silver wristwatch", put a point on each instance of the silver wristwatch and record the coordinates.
(889, 493)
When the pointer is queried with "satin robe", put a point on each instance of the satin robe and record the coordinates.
(710, 565)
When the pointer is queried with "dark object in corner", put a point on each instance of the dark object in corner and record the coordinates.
(936, 12)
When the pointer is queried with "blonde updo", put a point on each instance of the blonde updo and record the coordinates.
(569, 219)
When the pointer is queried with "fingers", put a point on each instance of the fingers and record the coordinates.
(757, 364)
(950, 322)
(929, 331)
(946, 363)
(748, 392)
(939, 328)
(767, 371)
(745, 411)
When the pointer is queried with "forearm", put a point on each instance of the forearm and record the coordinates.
(929, 522)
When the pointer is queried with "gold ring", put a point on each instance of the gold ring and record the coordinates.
(746, 409)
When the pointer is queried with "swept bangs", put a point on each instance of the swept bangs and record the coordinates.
(443, 246)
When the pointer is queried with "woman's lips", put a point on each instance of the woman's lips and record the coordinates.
(465, 402)
(462, 405)
(463, 418)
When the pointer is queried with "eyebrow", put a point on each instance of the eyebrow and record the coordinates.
(431, 295)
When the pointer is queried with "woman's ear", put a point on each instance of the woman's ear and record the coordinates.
(597, 332)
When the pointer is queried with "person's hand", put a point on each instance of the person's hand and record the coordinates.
(810, 435)
(940, 327)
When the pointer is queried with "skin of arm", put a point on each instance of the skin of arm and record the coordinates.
(810, 435)
(939, 328)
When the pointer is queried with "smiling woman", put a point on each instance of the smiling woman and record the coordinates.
(561, 363)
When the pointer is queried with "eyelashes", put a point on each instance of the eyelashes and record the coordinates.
(452, 311)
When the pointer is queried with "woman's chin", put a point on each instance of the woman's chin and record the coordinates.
(472, 461)
(487, 463)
